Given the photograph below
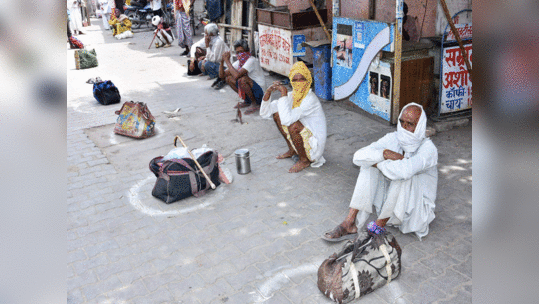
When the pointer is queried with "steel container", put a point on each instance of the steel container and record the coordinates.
(243, 163)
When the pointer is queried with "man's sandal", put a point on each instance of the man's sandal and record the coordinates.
(339, 231)
(251, 110)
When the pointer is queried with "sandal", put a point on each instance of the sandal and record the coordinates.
(339, 231)
(252, 110)
(241, 105)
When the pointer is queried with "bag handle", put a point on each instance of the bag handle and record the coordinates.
(119, 111)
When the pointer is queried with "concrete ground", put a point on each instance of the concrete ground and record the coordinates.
(256, 240)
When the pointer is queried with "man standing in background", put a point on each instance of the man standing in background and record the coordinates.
(183, 24)
(74, 7)
(106, 10)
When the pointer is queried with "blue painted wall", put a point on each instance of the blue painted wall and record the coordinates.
(363, 32)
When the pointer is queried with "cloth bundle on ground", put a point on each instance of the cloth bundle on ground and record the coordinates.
(106, 92)
(85, 59)
(126, 34)
(178, 176)
(75, 43)
(362, 266)
(134, 120)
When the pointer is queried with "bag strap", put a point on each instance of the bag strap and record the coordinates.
(355, 278)
(210, 167)
(192, 178)
(156, 161)
(383, 249)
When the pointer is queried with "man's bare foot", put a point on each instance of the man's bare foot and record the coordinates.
(287, 154)
(300, 165)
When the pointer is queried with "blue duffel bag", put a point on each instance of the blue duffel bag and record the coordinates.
(106, 92)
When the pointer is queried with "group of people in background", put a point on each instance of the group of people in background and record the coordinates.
(398, 175)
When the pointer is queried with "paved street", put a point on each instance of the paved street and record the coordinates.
(256, 240)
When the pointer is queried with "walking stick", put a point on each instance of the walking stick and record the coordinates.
(196, 162)
(155, 34)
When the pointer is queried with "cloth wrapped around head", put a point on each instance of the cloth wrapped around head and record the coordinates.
(409, 141)
(301, 88)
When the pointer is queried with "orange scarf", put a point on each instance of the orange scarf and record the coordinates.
(301, 88)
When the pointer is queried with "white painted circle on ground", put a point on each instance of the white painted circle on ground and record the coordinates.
(134, 199)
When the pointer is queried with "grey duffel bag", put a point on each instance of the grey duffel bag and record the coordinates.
(362, 266)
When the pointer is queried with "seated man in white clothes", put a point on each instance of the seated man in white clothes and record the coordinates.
(299, 117)
(197, 51)
(215, 48)
(398, 176)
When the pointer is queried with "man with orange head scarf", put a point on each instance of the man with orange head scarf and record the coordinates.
(299, 117)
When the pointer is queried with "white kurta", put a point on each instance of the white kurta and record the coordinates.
(403, 190)
(75, 15)
(309, 113)
(216, 49)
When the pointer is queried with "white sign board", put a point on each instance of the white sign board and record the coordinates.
(456, 93)
(464, 30)
(275, 49)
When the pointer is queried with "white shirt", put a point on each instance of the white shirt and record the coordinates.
(155, 4)
(252, 66)
(217, 47)
(309, 113)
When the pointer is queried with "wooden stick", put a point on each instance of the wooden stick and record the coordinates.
(155, 34)
(457, 36)
(212, 185)
(320, 19)
(397, 71)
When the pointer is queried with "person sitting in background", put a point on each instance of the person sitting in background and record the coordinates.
(244, 76)
(120, 23)
(163, 32)
(215, 48)
(299, 117)
(198, 50)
